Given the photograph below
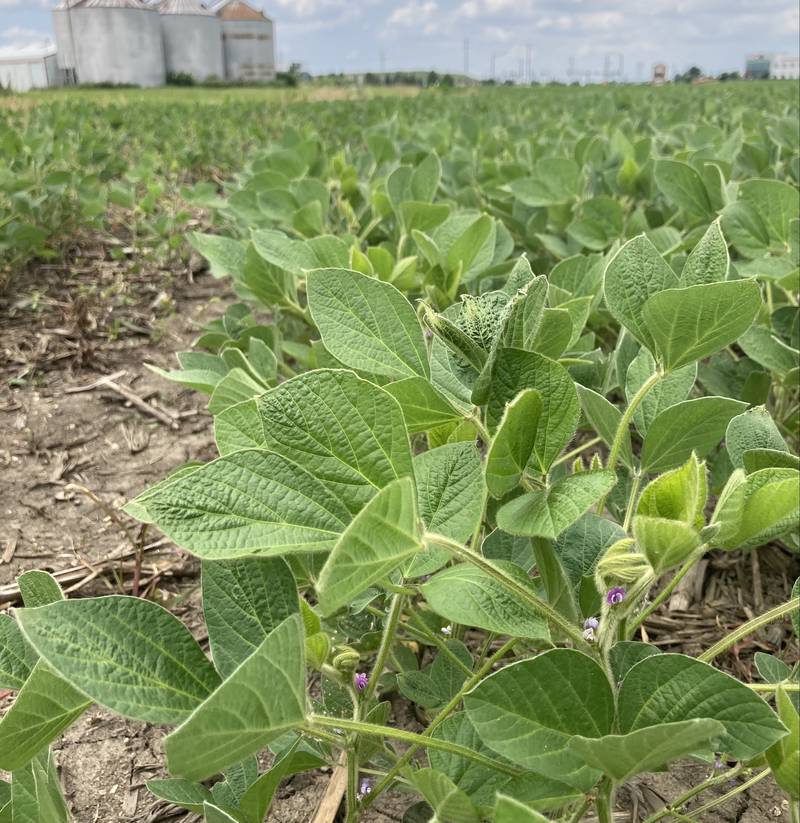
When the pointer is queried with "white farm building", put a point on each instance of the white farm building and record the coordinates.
(134, 42)
(28, 67)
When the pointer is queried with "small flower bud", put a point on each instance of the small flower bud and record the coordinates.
(447, 630)
(361, 681)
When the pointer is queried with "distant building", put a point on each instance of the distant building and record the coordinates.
(659, 74)
(30, 67)
(785, 67)
(133, 42)
(757, 67)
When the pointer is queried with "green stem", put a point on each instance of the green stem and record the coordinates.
(748, 628)
(634, 493)
(535, 603)
(625, 422)
(483, 432)
(605, 802)
(698, 813)
(420, 628)
(699, 789)
(666, 591)
(773, 687)
(373, 730)
(387, 639)
(575, 452)
(351, 796)
(578, 816)
(794, 811)
(438, 720)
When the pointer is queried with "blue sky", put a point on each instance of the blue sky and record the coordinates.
(567, 39)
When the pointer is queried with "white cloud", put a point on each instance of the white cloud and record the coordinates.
(414, 13)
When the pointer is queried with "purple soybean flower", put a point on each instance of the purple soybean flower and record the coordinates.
(615, 596)
(591, 623)
(361, 680)
(364, 788)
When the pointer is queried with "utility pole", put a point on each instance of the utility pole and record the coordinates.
(466, 56)
(528, 63)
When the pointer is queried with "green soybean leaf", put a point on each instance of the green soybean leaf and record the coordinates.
(556, 180)
(466, 595)
(36, 793)
(548, 512)
(784, 756)
(692, 323)
(579, 275)
(225, 255)
(513, 443)
(39, 589)
(709, 261)
(255, 802)
(683, 186)
(753, 510)
(276, 248)
(125, 653)
(449, 803)
(424, 408)
(425, 178)
(16, 657)
(261, 700)
(45, 706)
(243, 601)
(184, 793)
(239, 427)
(471, 248)
(633, 275)
(767, 350)
(381, 537)
(529, 711)
(216, 814)
(248, 502)
(671, 688)
(776, 202)
(605, 419)
(755, 429)
(515, 370)
(554, 333)
(692, 426)
(671, 389)
(422, 217)
(450, 489)
(236, 387)
(583, 543)
(622, 756)
(509, 810)
(367, 324)
(626, 654)
(771, 668)
(746, 229)
(347, 432)
(479, 782)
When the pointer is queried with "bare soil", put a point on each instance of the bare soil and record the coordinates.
(73, 450)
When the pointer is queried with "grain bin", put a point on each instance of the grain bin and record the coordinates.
(117, 41)
(192, 39)
(248, 39)
(62, 26)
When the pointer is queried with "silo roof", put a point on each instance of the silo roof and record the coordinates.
(110, 4)
(184, 7)
(238, 10)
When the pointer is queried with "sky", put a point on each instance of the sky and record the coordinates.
(583, 40)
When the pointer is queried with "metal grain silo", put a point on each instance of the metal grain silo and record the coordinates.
(192, 39)
(62, 26)
(248, 39)
(117, 41)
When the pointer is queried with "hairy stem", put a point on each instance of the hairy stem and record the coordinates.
(438, 720)
(374, 730)
(699, 812)
(535, 603)
(676, 804)
(605, 801)
(634, 493)
(387, 639)
(748, 628)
